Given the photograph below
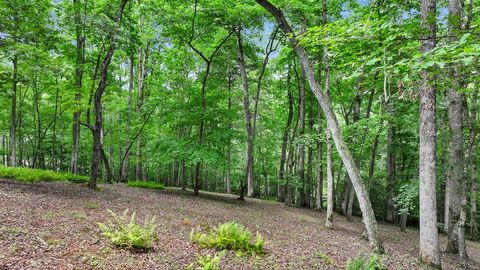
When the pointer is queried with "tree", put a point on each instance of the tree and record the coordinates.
(323, 99)
(79, 43)
(456, 184)
(97, 100)
(429, 252)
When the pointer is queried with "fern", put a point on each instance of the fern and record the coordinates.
(229, 236)
(124, 232)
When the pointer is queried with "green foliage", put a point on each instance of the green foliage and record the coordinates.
(125, 232)
(360, 263)
(37, 175)
(229, 236)
(207, 262)
(92, 205)
(145, 184)
(325, 258)
(407, 200)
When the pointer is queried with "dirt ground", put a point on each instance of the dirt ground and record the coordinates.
(53, 226)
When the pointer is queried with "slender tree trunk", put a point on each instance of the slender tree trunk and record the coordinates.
(248, 120)
(97, 128)
(309, 161)
(456, 179)
(54, 129)
(473, 204)
(80, 40)
(301, 146)
(330, 188)
(140, 99)
(429, 250)
(228, 188)
(319, 203)
(391, 214)
(283, 153)
(13, 122)
(124, 164)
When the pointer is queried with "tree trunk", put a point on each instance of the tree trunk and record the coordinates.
(97, 128)
(429, 250)
(344, 152)
(124, 163)
(13, 122)
(228, 188)
(473, 205)
(283, 153)
(330, 189)
(319, 193)
(248, 121)
(142, 55)
(456, 180)
(309, 161)
(301, 146)
(391, 215)
(80, 40)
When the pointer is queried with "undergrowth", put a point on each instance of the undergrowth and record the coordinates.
(125, 232)
(360, 263)
(36, 175)
(145, 184)
(206, 262)
(229, 236)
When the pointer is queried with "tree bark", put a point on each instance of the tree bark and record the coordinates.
(319, 193)
(80, 41)
(391, 215)
(283, 153)
(456, 179)
(248, 120)
(13, 122)
(124, 163)
(301, 132)
(97, 128)
(429, 250)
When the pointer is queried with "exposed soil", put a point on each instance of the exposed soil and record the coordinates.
(53, 226)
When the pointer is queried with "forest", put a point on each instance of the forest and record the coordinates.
(159, 134)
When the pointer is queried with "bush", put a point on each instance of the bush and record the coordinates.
(206, 262)
(229, 236)
(375, 263)
(145, 184)
(124, 232)
(37, 175)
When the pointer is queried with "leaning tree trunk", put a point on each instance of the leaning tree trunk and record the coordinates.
(429, 251)
(344, 152)
(97, 128)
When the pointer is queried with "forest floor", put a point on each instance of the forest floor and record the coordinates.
(52, 225)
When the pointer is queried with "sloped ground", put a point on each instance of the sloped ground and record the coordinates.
(53, 226)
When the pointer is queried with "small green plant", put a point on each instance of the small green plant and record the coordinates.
(36, 175)
(125, 232)
(92, 205)
(325, 258)
(229, 236)
(145, 184)
(360, 263)
(206, 262)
